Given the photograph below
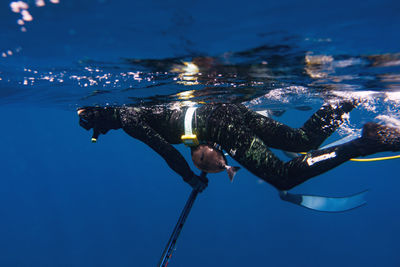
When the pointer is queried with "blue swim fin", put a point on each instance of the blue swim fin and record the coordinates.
(326, 204)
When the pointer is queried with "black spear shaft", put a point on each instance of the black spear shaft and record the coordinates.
(169, 248)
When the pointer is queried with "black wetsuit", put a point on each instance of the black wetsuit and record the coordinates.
(246, 136)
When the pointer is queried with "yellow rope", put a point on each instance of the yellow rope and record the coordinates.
(370, 159)
(376, 159)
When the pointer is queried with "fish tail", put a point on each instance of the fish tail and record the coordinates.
(232, 172)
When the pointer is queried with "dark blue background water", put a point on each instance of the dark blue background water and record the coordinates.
(68, 202)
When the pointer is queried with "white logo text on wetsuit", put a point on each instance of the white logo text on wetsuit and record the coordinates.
(311, 161)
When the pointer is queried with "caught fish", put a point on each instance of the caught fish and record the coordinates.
(212, 160)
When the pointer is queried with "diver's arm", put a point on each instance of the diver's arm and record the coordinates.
(151, 138)
(174, 159)
(102, 119)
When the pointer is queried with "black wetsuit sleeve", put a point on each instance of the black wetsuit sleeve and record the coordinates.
(150, 137)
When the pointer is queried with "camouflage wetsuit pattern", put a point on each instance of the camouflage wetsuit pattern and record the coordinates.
(246, 136)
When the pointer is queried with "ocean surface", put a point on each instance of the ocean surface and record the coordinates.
(65, 201)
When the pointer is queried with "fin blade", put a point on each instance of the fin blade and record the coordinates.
(232, 172)
(326, 204)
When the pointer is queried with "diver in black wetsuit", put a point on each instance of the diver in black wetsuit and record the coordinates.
(246, 136)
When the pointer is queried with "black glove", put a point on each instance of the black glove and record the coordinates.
(198, 183)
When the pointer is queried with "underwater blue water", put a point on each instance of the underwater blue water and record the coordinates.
(68, 202)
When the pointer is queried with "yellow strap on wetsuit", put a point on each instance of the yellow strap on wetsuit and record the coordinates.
(189, 138)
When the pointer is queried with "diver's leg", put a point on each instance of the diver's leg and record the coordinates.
(226, 127)
(286, 175)
(310, 136)
(375, 138)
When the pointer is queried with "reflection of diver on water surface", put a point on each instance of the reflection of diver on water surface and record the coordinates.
(280, 73)
(236, 77)
(245, 136)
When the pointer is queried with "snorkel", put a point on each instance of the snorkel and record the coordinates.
(85, 122)
(95, 135)
(100, 119)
